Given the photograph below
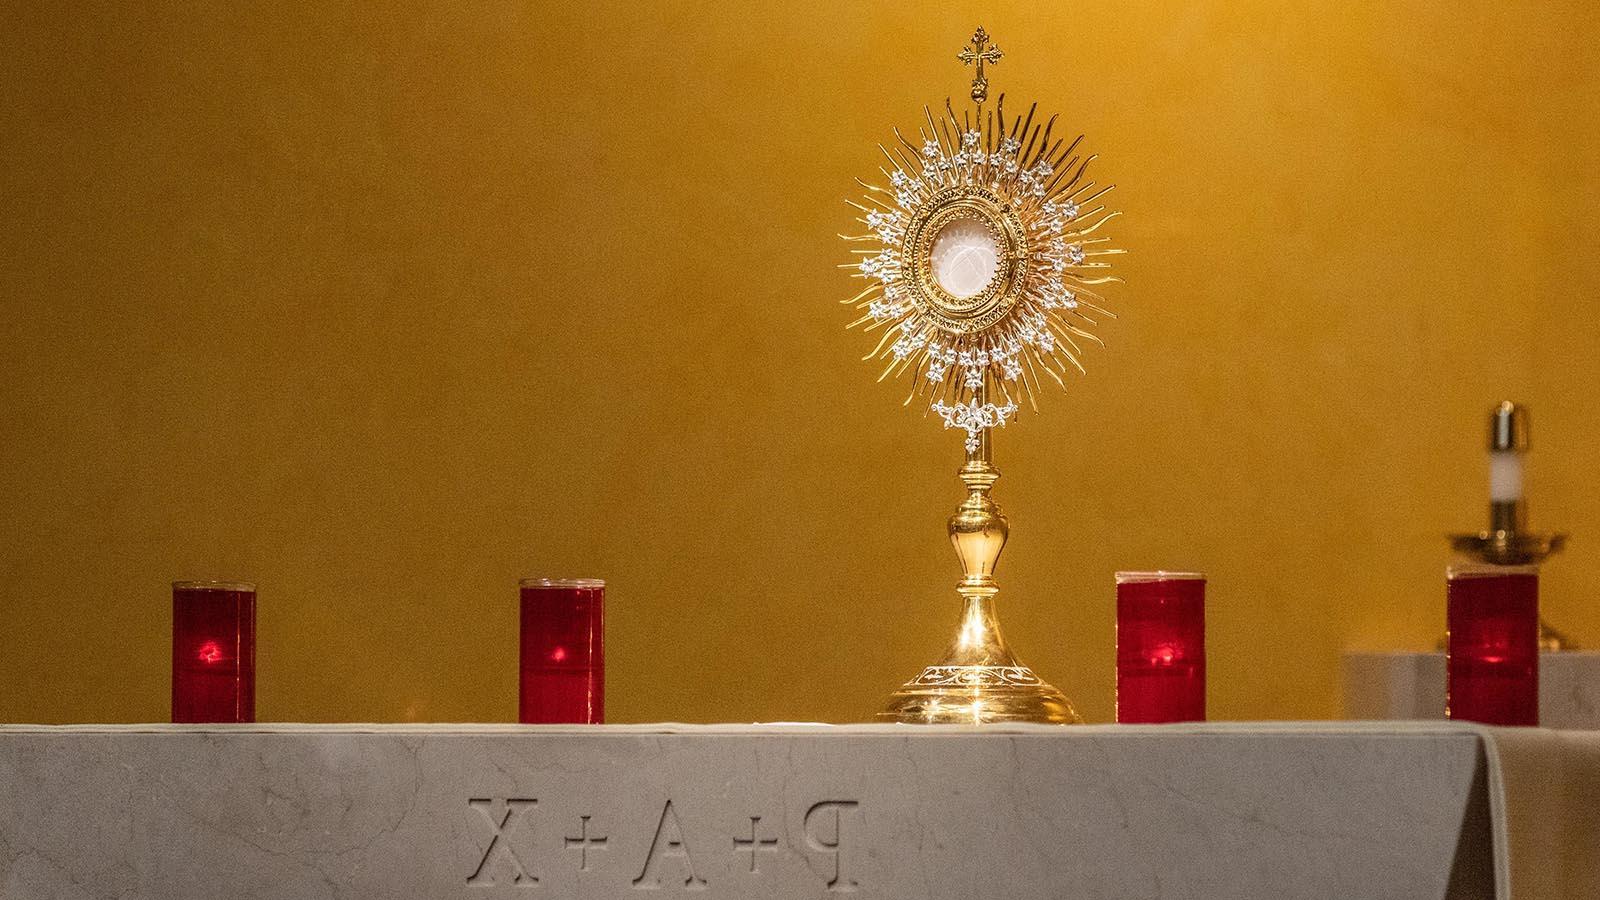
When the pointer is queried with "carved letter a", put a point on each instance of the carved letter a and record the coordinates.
(668, 842)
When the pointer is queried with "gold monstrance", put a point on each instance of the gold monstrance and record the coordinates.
(983, 280)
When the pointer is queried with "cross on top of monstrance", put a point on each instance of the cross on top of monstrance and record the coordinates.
(975, 52)
(984, 256)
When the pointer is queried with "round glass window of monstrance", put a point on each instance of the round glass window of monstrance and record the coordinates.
(964, 257)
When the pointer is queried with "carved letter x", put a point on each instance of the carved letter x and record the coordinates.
(500, 843)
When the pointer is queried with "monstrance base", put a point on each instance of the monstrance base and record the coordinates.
(978, 695)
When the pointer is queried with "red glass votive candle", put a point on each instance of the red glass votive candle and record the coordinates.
(563, 660)
(1161, 647)
(213, 651)
(1492, 662)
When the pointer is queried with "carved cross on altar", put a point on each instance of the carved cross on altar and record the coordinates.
(583, 842)
(976, 52)
(755, 843)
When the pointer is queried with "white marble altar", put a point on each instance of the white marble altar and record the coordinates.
(1271, 812)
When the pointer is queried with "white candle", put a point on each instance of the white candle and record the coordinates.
(1505, 475)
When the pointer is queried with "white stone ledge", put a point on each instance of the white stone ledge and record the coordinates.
(1391, 685)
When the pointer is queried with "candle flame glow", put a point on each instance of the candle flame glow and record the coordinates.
(1164, 655)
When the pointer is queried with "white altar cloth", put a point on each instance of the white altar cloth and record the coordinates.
(1275, 811)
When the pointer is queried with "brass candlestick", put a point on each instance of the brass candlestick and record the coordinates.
(1508, 541)
(983, 264)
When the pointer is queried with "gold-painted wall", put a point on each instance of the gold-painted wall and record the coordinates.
(384, 305)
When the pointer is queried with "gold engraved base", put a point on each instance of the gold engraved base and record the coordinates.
(979, 680)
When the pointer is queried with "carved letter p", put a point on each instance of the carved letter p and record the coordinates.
(824, 832)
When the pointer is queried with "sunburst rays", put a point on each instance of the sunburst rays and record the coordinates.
(1040, 309)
